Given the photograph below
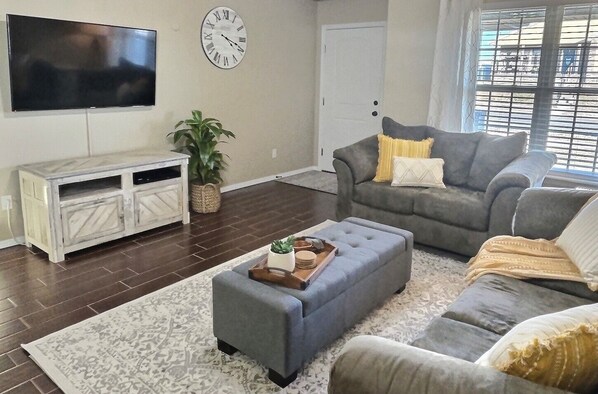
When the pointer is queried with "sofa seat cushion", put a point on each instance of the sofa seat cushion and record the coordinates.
(385, 197)
(453, 205)
(456, 339)
(498, 303)
(362, 250)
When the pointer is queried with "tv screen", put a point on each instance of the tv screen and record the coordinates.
(56, 64)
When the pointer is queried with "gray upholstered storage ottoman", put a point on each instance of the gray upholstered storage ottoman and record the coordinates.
(282, 328)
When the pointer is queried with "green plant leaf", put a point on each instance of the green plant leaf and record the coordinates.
(228, 133)
(199, 138)
(196, 115)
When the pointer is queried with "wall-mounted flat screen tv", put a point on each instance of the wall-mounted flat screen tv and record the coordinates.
(56, 64)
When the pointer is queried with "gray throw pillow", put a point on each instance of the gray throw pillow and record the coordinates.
(396, 130)
(494, 153)
(458, 151)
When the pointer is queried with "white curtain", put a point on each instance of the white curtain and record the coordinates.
(452, 100)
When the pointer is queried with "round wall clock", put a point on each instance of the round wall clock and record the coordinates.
(223, 37)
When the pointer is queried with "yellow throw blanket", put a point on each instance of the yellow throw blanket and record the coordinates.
(522, 258)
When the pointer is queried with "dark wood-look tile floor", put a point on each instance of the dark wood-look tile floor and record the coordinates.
(38, 297)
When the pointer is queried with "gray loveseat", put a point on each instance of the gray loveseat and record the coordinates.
(441, 359)
(484, 174)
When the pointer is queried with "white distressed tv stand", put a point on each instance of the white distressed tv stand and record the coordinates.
(73, 204)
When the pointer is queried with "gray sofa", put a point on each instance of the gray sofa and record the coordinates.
(484, 174)
(441, 358)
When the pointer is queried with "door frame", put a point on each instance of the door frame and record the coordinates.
(342, 26)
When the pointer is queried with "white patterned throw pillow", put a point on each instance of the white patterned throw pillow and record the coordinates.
(580, 241)
(417, 172)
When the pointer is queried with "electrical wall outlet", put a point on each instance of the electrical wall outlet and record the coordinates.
(6, 202)
(274, 153)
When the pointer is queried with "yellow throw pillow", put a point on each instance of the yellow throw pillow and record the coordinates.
(567, 361)
(558, 349)
(389, 147)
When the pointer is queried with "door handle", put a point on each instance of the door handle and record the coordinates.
(375, 113)
(375, 102)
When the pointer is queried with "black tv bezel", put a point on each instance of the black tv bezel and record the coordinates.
(10, 61)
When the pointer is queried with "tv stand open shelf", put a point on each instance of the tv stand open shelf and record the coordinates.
(73, 204)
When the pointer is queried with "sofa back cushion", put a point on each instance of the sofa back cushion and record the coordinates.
(493, 154)
(396, 130)
(458, 151)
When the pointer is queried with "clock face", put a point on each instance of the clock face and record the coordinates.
(223, 37)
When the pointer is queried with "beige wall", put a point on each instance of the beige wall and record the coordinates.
(331, 12)
(270, 100)
(410, 48)
(267, 100)
(334, 12)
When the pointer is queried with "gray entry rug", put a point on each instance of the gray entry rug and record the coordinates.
(163, 342)
(316, 180)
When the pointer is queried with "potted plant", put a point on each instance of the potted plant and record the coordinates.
(199, 137)
(282, 254)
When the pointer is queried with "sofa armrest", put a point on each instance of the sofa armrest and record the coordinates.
(370, 364)
(361, 158)
(545, 212)
(526, 171)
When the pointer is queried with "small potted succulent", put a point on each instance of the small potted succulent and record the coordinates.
(282, 254)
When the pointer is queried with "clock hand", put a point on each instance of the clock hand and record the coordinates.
(231, 42)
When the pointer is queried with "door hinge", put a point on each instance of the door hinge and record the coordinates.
(324, 48)
(323, 101)
(322, 152)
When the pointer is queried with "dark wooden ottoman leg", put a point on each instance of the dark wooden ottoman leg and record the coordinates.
(226, 348)
(279, 380)
(401, 290)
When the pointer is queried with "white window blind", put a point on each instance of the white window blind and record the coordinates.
(538, 73)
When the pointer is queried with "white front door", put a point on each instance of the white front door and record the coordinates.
(352, 83)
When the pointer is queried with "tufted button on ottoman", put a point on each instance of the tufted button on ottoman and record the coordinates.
(282, 328)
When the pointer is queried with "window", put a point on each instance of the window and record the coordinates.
(538, 73)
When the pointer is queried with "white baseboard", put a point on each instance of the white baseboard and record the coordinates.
(7, 243)
(265, 179)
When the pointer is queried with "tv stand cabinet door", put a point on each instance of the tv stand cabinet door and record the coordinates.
(158, 206)
(93, 222)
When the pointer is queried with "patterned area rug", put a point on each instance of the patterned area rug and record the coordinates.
(163, 342)
(316, 180)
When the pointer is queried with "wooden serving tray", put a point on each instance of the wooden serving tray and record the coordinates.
(298, 279)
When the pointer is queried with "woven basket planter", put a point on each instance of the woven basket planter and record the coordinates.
(205, 198)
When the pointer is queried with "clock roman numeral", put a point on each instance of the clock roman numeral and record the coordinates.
(241, 50)
(240, 28)
(210, 48)
(235, 59)
(207, 36)
(210, 24)
(226, 61)
(217, 57)
(234, 18)
(242, 39)
(217, 15)
(226, 14)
